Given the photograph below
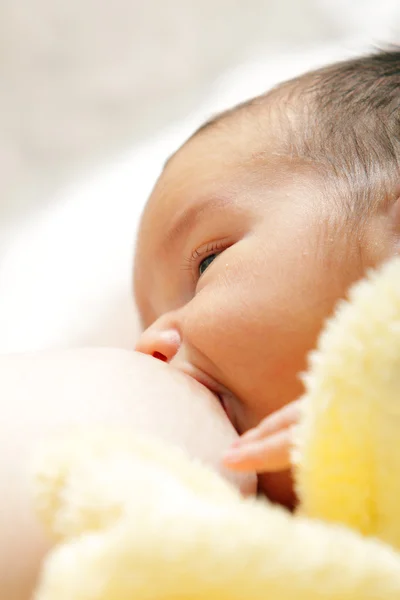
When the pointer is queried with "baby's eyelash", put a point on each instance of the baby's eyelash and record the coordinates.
(200, 253)
(208, 249)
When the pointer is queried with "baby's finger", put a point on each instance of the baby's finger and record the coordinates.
(265, 455)
(281, 419)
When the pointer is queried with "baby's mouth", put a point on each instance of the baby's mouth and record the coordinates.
(226, 405)
(222, 394)
(223, 404)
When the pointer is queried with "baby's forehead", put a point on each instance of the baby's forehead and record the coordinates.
(254, 137)
(260, 127)
(234, 145)
(231, 140)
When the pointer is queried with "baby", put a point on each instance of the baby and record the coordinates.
(257, 226)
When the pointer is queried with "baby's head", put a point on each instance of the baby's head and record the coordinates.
(261, 221)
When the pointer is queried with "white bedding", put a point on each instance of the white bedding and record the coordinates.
(65, 273)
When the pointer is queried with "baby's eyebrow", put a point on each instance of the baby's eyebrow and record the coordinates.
(185, 220)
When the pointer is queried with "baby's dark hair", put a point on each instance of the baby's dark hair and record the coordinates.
(354, 125)
(343, 119)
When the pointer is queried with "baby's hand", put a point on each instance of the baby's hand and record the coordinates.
(266, 448)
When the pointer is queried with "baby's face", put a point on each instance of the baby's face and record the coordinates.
(239, 261)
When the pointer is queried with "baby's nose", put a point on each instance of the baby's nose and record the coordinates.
(160, 343)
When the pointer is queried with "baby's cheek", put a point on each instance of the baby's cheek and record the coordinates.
(213, 320)
(243, 340)
(223, 337)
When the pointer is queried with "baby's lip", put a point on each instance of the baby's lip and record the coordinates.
(223, 394)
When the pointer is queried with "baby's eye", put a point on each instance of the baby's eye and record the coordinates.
(206, 262)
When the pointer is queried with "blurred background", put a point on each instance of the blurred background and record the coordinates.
(93, 97)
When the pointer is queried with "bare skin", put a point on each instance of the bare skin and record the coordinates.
(46, 395)
(266, 447)
(241, 257)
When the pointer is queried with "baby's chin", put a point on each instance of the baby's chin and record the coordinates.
(278, 488)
